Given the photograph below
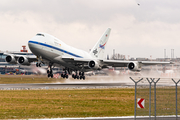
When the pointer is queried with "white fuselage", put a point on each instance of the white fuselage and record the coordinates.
(52, 49)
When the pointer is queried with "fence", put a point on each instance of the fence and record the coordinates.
(160, 97)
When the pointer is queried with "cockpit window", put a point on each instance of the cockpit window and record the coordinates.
(40, 34)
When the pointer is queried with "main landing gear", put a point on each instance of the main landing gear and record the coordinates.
(80, 76)
(75, 75)
(49, 71)
(65, 74)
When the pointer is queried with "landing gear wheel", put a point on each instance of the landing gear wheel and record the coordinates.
(75, 76)
(61, 75)
(72, 75)
(38, 64)
(48, 75)
(66, 76)
(51, 75)
(47, 71)
(50, 72)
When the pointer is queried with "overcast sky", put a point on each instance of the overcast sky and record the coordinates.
(137, 30)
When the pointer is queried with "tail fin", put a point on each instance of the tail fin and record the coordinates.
(98, 50)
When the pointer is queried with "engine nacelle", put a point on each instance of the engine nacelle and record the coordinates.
(11, 59)
(94, 65)
(23, 61)
(134, 66)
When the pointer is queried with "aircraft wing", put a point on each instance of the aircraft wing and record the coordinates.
(133, 65)
(98, 64)
(13, 58)
(118, 63)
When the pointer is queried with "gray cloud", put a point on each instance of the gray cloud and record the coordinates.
(151, 27)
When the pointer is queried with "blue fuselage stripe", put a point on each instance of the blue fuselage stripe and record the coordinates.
(56, 48)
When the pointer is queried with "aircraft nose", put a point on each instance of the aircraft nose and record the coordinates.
(34, 47)
(30, 43)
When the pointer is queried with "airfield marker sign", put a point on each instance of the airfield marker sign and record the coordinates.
(140, 102)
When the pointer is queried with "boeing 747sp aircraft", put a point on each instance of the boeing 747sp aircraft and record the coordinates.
(54, 52)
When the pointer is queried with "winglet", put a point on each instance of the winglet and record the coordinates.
(98, 50)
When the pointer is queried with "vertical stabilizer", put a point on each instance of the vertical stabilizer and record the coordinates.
(98, 50)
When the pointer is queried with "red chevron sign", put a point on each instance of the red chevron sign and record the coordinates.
(140, 102)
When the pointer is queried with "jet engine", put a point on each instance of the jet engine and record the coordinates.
(23, 61)
(134, 66)
(11, 59)
(94, 65)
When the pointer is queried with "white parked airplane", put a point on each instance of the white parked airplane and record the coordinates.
(50, 50)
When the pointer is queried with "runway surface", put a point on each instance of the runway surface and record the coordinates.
(91, 82)
(117, 118)
(62, 85)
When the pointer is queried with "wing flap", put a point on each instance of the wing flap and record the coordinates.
(70, 59)
(116, 63)
(119, 63)
(155, 63)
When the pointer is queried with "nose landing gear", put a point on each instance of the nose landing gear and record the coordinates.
(38, 64)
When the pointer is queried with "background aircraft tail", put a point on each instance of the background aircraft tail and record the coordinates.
(98, 50)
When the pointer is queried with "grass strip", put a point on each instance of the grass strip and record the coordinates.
(66, 103)
(17, 79)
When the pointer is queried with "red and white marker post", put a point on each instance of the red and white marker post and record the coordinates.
(140, 102)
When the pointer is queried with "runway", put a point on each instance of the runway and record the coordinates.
(91, 83)
(172, 117)
(62, 86)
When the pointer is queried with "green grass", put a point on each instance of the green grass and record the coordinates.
(15, 79)
(66, 103)
(165, 101)
(24, 104)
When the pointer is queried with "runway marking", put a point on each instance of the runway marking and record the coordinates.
(122, 117)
